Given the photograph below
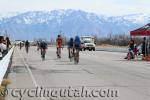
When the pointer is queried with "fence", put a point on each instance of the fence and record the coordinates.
(4, 64)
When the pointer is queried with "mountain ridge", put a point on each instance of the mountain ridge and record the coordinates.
(31, 25)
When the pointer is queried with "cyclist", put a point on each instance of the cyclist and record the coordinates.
(20, 45)
(130, 54)
(58, 46)
(27, 44)
(77, 44)
(70, 48)
(43, 47)
(38, 45)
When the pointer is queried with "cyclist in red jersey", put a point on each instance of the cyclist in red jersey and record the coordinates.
(58, 46)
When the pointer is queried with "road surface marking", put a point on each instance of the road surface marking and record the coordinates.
(30, 72)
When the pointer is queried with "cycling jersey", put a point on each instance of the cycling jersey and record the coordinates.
(77, 42)
(43, 45)
(59, 42)
(70, 43)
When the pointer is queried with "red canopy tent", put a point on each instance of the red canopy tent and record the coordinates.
(143, 31)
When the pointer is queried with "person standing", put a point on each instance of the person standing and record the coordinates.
(8, 43)
(2, 47)
(130, 54)
(131, 44)
(135, 51)
(144, 47)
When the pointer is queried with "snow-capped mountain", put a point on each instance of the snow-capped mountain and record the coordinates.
(7, 15)
(48, 24)
(138, 18)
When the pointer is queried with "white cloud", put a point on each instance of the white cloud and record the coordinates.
(108, 7)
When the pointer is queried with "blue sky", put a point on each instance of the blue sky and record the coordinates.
(106, 7)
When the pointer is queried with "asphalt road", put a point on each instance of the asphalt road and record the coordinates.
(112, 49)
(100, 75)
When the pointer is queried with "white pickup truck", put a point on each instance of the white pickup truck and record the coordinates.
(87, 43)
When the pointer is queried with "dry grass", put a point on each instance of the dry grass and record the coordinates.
(5, 82)
(2, 89)
(3, 86)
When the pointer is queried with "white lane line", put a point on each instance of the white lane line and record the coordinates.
(31, 74)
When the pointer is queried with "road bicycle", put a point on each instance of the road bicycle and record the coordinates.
(27, 49)
(71, 54)
(76, 56)
(58, 52)
(43, 52)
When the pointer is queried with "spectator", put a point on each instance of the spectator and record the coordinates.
(8, 42)
(2, 47)
(135, 51)
(130, 54)
(144, 47)
(131, 44)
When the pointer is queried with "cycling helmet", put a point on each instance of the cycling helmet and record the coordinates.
(77, 38)
(59, 35)
(71, 39)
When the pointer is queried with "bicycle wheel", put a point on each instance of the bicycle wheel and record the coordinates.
(43, 54)
(43, 57)
(76, 57)
(27, 49)
(71, 56)
(58, 53)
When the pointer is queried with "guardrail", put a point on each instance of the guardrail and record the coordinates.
(4, 64)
